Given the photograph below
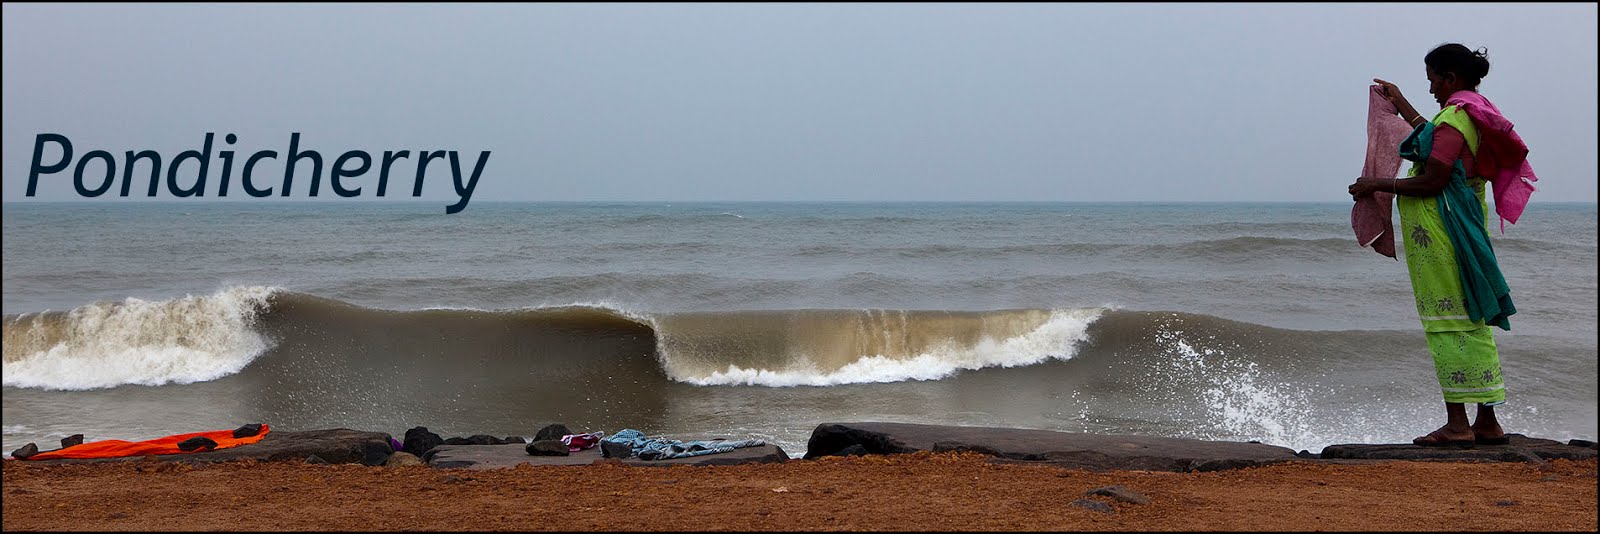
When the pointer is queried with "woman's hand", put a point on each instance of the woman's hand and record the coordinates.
(1392, 92)
(1363, 187)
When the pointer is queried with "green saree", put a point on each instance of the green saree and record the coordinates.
(1466, 361)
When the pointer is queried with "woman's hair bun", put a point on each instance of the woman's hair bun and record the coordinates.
(1481, 55)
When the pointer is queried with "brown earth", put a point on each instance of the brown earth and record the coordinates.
(921, 491)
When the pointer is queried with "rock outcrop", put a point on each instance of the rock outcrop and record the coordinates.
(1068, 449)
(1520, 449)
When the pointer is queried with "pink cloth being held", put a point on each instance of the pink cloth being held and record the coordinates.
(1371, 217)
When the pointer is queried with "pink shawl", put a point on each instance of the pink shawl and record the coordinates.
(1502, 156)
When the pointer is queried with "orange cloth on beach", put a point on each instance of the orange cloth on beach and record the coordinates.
(116, 448)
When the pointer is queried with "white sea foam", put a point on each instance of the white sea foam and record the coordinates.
(107, 344)
(622, 310)
(1057, 338)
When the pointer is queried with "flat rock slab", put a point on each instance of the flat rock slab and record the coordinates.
(1521, 449)
(335, 446)
(1068, 449)
(503, 456)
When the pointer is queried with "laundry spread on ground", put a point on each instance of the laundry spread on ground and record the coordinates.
(646, 448)
(174, 444)
(578, 442)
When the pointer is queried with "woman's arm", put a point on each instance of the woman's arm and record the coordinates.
(1410, 114)
(1435, 176)
(1448, 146)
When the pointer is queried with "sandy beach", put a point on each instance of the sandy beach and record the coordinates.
(920, 491)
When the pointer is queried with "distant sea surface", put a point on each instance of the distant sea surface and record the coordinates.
(759, 320)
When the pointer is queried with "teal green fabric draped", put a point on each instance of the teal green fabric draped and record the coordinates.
(1488, 298)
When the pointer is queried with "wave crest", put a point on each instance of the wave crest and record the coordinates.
(833, 348)
(106, 344)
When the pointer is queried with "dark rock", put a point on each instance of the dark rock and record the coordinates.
(1307, 454)
(614, 450)
(197, 442)
(314, 459)
(765, 454)
(515, 439)
(1505, 503)
(484, 439)
(829, 439)
(1582, 443)
(1093, 505)
(373, 454)
(548, 447)
(452, 464)
(1120, 493)
(247, 430)
(555, 432)
(1065, 449)
(1520, 449)
(75, 439)
(419, 440)
(26, 451)
(457, 441)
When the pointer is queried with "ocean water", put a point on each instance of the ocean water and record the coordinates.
(1233, 322)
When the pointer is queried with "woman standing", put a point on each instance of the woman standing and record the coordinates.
(1455, 278)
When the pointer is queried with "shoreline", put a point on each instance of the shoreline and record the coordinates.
(1002, 444)
(854, 476)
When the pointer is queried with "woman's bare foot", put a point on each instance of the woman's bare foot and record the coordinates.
(1487, 428)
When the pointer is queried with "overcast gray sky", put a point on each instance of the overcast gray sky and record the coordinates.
(1058, 102)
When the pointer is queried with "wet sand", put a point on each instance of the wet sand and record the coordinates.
(921, 491)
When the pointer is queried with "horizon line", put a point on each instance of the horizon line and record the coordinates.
(426, 201)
